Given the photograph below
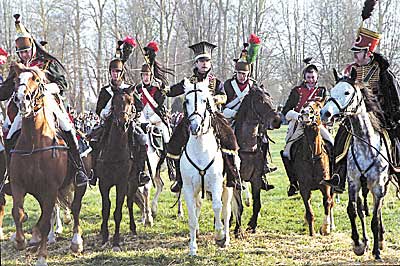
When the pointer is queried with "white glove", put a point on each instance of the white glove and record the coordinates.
(292, 115)
(229, 113)
(106, 112)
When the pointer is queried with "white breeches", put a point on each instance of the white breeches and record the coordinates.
(295, 131)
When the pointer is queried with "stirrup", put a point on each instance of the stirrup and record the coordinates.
(81, 178)
(293, 190)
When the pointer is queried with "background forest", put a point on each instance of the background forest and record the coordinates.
(83, 35)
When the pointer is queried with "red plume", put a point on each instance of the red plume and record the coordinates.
(254, 39)
(153, 45)
(129, 40)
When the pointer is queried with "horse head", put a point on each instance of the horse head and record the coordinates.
(123, 109)
(196, 107)
(346, 98)
(29, 86)
(261, 104)
(310, 114)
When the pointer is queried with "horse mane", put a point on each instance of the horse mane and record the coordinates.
(242, 114)
(373, 107)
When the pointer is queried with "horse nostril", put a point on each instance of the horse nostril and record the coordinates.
(326, 114)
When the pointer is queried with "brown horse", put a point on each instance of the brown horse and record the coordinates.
(255, 115)
(44, 158)
(311, 161)
(116, 165)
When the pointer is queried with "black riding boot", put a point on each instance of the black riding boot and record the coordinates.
(176, 187)
(232, 173)
(143, 177)
(81, 178)
(338, 179)
(265, 185)
(294, 183)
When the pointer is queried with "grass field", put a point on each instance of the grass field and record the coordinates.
(281, 239)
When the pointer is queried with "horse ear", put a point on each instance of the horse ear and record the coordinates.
(336, 75)
(353, 74)
(18, 68)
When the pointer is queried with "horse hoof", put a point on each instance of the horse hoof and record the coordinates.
(324, 230)
(251, 230)
(76, 248)
(381, 245)
(41, 262)
(360, 250)
(192, 253)
(116, 249)
(221, 243)
(19, 245)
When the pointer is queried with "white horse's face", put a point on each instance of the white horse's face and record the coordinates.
(23, 98)
(196, 110)
(344, 97)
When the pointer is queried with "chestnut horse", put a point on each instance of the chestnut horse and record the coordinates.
(115, 164)
(44, 156)
(311, 161)
(255, 115)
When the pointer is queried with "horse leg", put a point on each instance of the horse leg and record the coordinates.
(59, 225)
(180, 208)
(255, 191)
(217, 208)
(18, 215)
(226, 212)
(147, 207)
(119, 201)
(77, 241)
(105, 210)
(327, 202)
(132, 189)
(381, 232)
(376, 225)
(360, 212)
(2, 211)
(51, 238)
(358, 248)
(47, 205)
(159, 187)
(237, 210)
(193, 222)
(309, 215)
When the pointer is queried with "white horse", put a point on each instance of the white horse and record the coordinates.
(367, 158)
(201, 167)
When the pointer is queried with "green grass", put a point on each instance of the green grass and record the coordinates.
(281, 237)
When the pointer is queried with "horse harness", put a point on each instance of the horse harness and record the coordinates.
(36, 100)
(202, 172)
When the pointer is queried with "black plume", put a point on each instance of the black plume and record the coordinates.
(307, 60)
(368, 8)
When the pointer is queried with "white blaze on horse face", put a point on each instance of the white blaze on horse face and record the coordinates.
(342, 93)
(196, 107)
(22, 102)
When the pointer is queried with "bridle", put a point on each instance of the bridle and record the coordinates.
(131, 113)
(34, 96)
(354, 97)
(259, 117)
(195, 112)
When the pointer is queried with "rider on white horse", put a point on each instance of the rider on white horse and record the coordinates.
(202, 78)
(373, 71)
(32, 54)
(309, 90)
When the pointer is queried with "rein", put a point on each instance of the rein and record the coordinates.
(202, 117)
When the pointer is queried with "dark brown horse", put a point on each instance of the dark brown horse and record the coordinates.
(311, 161)
(255, 115)
(116, 165)
(44, 158)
